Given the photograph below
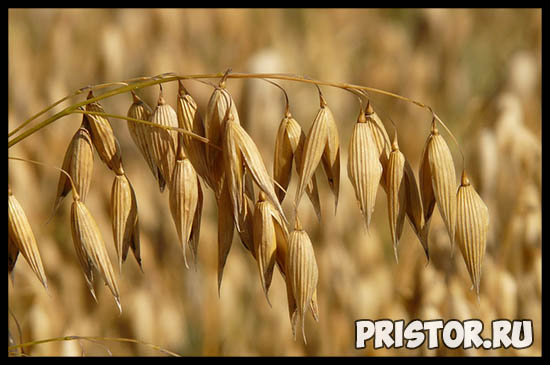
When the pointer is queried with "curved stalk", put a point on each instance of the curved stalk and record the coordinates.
(141, 82)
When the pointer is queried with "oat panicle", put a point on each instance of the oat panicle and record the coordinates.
(184, 151)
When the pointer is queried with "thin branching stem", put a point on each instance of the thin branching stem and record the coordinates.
(287, 103)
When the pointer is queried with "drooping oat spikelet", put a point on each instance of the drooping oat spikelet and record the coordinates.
(79, 163)
(190, 119)
(220, 106)
(414, 209)
(91, 249)
(246, 149)
(396, 193)
(321, 143)
(426, 193)
(364, 167)
(234, 171)
(265, 242)
(289, 145)
(312, 153)
(381, 138)
(266, 224)
(471, 228)
(163, 142)
(443, 179)
(140, 133)
(124, 215)
(21, 236)
(302, 271)
(331, 156)
(103, 138)
(184, 198)
(286, 143)
(85, 264)
(216, 113)
(226, 227)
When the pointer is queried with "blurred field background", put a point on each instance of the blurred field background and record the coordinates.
(480, 70)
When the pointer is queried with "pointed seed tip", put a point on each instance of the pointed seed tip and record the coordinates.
(465, 181)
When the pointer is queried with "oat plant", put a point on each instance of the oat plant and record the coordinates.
(191, 154)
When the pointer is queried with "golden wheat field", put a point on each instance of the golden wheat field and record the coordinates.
(478, 70)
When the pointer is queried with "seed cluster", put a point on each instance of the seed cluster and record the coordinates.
(186, 152)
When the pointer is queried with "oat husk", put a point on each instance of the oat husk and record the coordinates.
(241, 151)
(381, 138)
(266, 224)
(140, 133)
(364, 167)
(289, 145)
(103, 137)
(191, 120)
(226, 228)
(184, 200)
(124, 215)
(163, 142)
(22, 239)
(79, 164)
(220, 107)
(414, 209)
(302, 273)
(471, 228)
(321, 144)
(91, 250)
(196, 228)
(331, 156)
(438, 181)
(234, 171)
(395, 183)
